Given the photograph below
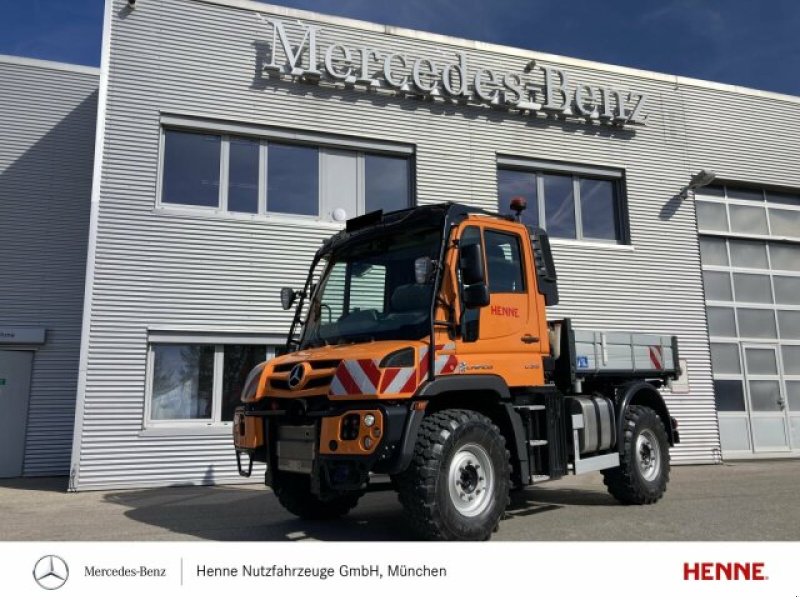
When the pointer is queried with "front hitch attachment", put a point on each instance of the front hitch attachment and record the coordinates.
(242, 472)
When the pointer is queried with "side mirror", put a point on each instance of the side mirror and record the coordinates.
(471, 265)
(287, 297)
(476, 295)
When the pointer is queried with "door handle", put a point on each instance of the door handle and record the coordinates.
(781, 402)
(529, 339)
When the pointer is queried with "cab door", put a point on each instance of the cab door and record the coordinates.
(502, 338)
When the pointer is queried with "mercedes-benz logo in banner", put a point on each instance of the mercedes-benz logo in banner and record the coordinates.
(296, 375)
(50, 572)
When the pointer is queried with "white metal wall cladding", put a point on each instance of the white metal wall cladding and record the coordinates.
(47, 120)
(170, 271)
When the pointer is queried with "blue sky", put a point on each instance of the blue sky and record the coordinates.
(743, 42)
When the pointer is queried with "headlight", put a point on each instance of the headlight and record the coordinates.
(251, 383)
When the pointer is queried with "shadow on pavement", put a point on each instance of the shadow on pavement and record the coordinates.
(563, 496)
(234, 513)
(229, 513)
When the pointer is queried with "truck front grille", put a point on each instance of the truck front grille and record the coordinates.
(317, 378)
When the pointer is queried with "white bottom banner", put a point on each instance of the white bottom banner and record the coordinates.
(617, 570)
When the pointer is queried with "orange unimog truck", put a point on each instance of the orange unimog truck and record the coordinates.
(420, 348)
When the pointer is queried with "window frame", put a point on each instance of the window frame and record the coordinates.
(726, 201)
(264, 136)
(522, 265)
(214, 424)
(539, 168)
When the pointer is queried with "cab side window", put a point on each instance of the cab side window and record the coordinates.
(504, 263)
(471, 318)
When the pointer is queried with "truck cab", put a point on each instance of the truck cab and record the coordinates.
(420, 348)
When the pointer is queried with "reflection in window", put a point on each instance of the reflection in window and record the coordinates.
(787, 289)
(555, 201)
(559, 206)
(243, 175)
(765, 396)
(789, 322)
(756, 323)
(748, 219)
(511, 184)
(293, 179)
(748, 255)
(721, 321)
(752, 288)
(387, 183)
(728, 395)
(725, 359)
(191, 168)
(784, 223)
(785, 257)
(713, 252)
(599, 210)
(711, 216)
(717, 286)
(237, 363)
(183, 377)
(791, 359)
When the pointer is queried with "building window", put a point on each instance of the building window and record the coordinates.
(257, 176)
(568, 202)
(293, 179)
(243, 175)
(183, 381)
(199, 383)
(748, 212)
(387, 183)
(191, 168)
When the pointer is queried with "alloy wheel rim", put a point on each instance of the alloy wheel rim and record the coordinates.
(471, 480)
(648, 455)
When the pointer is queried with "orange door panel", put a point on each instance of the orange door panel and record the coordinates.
(509, 338)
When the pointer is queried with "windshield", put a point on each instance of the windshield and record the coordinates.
(369, 291)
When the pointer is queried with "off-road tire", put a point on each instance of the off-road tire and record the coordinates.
(628, 482)
(424, 488)
(293, 491)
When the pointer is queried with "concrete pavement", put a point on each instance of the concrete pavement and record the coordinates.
(755, 500)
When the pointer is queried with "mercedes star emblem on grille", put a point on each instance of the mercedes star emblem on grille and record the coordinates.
(296, 375)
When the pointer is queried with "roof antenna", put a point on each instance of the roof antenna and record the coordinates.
(518, 204)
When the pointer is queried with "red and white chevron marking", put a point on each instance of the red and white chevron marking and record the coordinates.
(362, 377)
(444, 364)
(399, 380)
(355, 377)
(656, 357)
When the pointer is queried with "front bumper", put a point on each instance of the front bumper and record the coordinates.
(337, 446)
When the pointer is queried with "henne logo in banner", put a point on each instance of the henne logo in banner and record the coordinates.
(51, 572)
(295, 52)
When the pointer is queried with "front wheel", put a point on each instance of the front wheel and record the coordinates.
(294, 493)
(457, 485)
(643, 472)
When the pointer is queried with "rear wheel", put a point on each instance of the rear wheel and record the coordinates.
(643, 473)
(457, 485)
(294, 493)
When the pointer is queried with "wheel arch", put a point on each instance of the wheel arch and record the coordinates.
(643, 393)
(485, 394)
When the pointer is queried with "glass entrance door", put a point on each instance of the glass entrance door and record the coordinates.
(769, 423)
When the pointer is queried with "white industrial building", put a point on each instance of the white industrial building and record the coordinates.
(151, 210)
